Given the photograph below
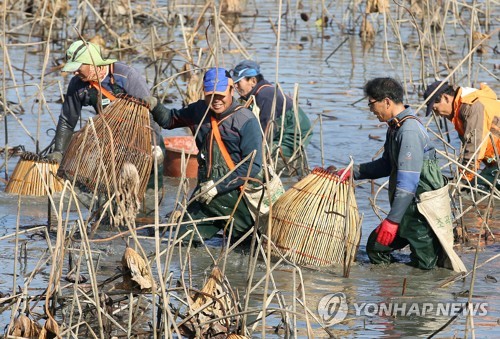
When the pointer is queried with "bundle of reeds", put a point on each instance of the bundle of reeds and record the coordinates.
(31, 174)
(316, 222)
(97, 153)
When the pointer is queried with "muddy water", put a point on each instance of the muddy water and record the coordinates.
(332, 89)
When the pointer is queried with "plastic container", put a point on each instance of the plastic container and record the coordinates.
(173, 157)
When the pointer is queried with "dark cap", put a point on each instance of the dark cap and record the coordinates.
(246, 68)
(432, 87)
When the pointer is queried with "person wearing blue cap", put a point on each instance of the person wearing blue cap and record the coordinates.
(474, 113)
(290, 136)
(216, 194)
(94, 75)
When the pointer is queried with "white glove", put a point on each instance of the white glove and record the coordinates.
(208, 190)
(157, 153)
(151, 101)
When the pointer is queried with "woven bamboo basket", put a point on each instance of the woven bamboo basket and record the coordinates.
(32, 175)
(317, 222)
(97, 152)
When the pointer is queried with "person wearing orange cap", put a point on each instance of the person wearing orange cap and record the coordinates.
(218, 188)
(474, 113)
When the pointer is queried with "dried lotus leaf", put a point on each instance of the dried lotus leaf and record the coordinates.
(25, 327)
(50, 329)
(132, 261)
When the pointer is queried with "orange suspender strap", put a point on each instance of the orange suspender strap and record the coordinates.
(222, 147)
(103, 90)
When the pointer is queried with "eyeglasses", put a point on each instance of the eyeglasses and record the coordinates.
(371, 103)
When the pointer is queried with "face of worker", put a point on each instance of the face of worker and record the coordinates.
(381, 108)
(245, 86)
(444, 106)
(88, 72)
(220, 103)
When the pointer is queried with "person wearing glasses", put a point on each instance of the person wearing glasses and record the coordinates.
(474, 113)
(85, 61)
(409, 160)
(218, 189)
(291, 136)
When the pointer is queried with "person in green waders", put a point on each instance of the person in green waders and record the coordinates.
(409, 159)
(291, 136)
(85, 61)
(240, 132)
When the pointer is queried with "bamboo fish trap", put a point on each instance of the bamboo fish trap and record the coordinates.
(32, 175)
(316, 222)
(97, 152)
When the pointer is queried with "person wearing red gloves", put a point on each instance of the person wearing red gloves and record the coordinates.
(409, 159)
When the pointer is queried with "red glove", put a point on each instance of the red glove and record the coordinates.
(386, 232)
(343, 172)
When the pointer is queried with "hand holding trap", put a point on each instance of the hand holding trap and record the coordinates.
(97, 152)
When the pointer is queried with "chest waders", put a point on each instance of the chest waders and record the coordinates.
(414, 230)
(212, 166)
(291, 159)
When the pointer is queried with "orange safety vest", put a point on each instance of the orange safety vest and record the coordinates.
(487, 97)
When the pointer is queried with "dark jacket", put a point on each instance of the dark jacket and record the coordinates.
(239, 131)
(79, 93)
(264, 93)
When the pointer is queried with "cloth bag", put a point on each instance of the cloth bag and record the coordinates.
(269, 193)
(253, 194)
(435, 207)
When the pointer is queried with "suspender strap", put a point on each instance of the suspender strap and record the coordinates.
(103, 90)
(222, 146)
(397, 123)
(250, 101)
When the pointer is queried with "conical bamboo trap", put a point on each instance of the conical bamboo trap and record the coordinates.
(31, 174)
(317, 222)
(97, 153)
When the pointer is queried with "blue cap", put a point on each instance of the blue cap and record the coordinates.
(246, 68)
(217, 81)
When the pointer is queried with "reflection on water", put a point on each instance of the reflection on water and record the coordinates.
(332, 88)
